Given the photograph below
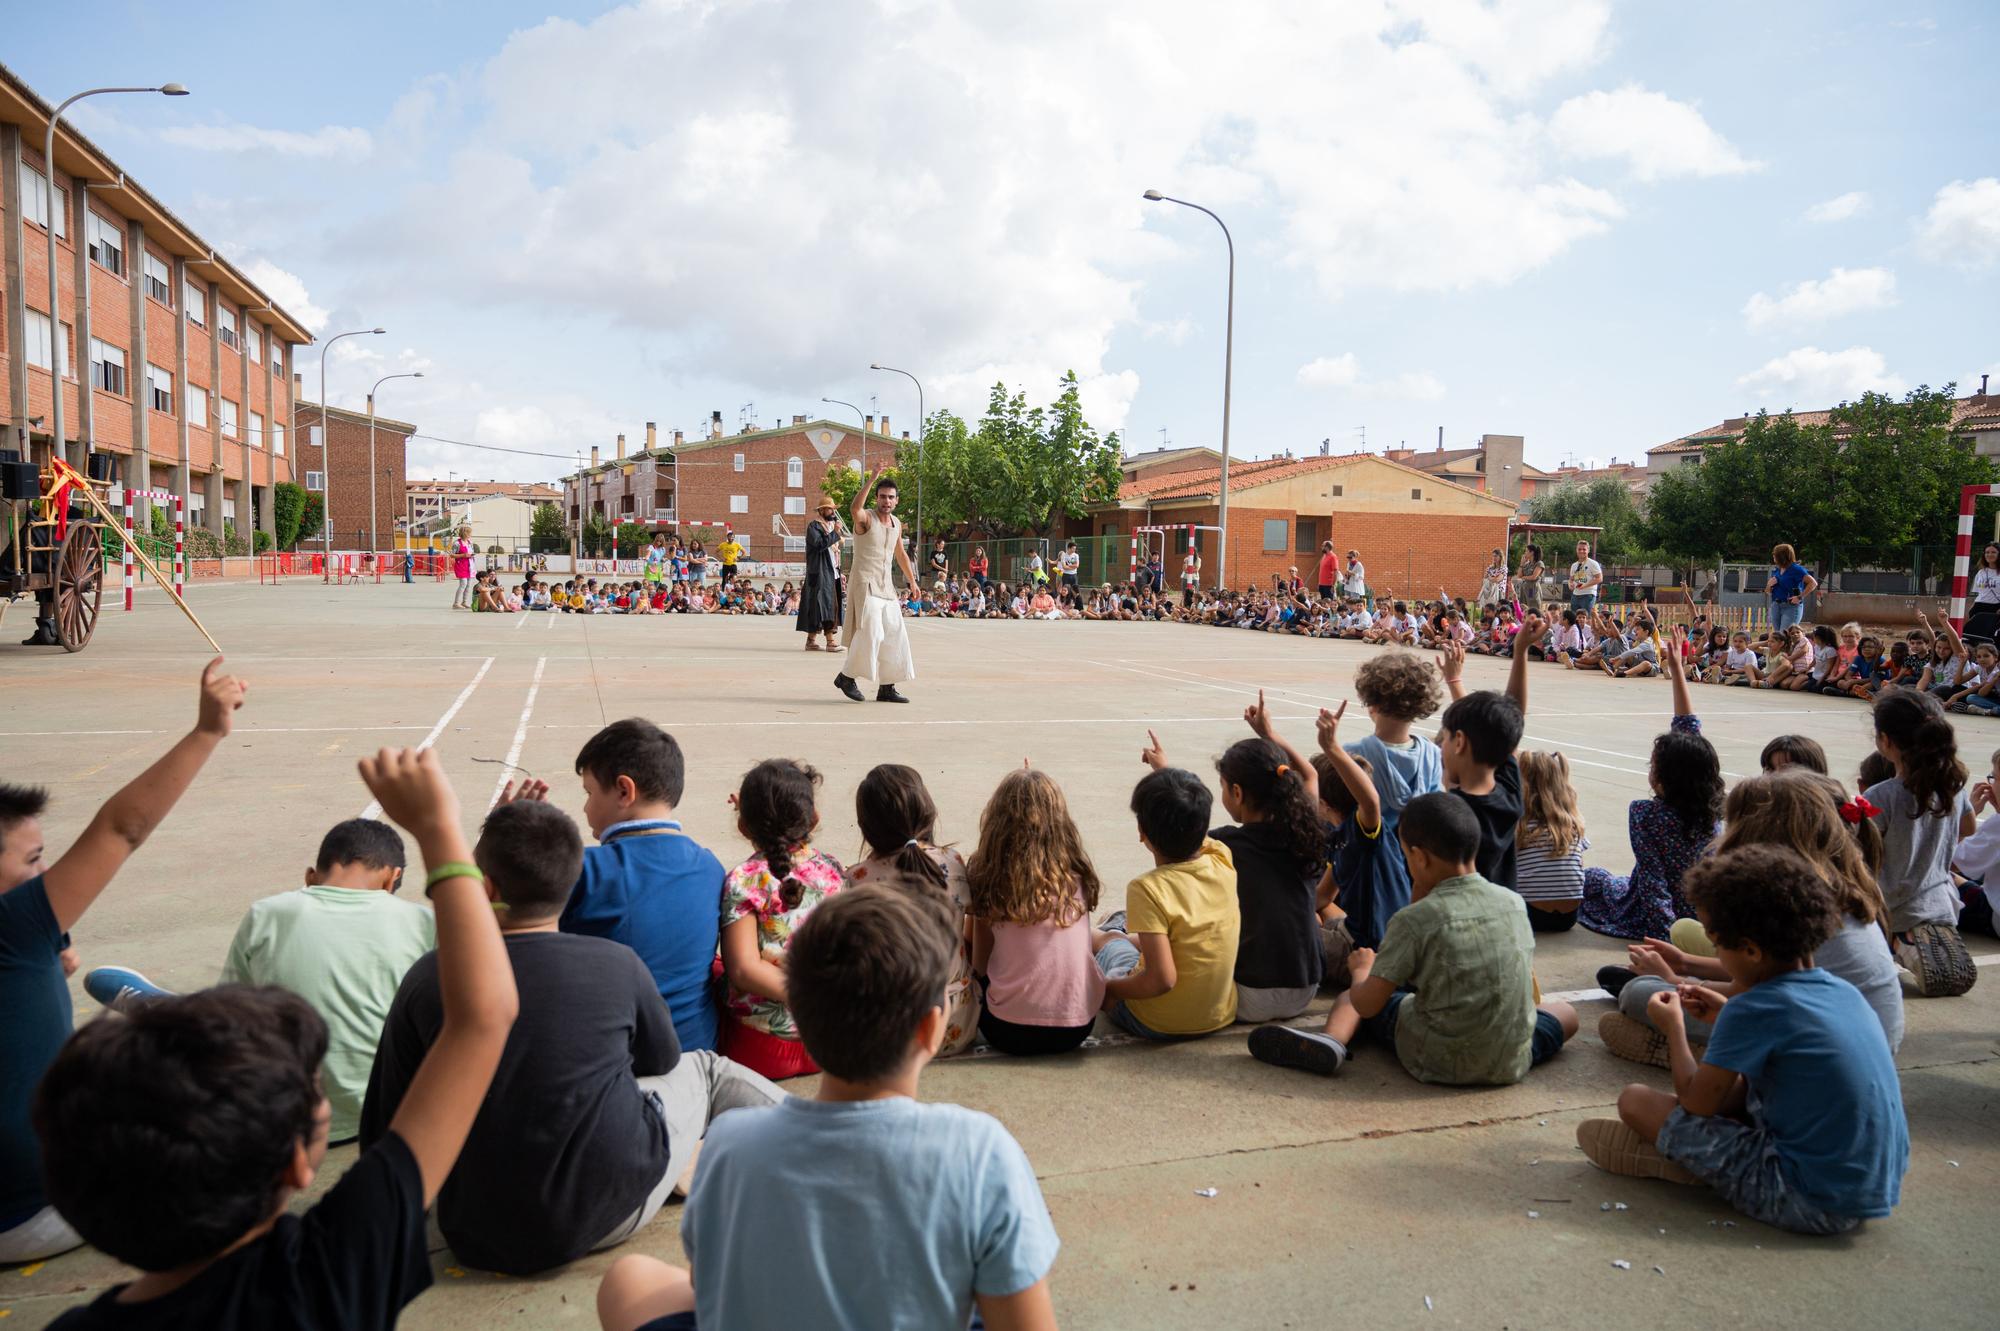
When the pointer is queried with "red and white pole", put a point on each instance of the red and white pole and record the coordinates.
(1961, 563)
(125, 552)
(180, 546)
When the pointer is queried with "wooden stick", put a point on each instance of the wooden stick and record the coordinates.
(116, 524)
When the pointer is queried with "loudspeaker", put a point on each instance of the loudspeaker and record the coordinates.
(104, 467)
(20, 480)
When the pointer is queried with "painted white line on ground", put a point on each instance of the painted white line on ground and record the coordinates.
(374, 809)
(552, 617)
(520, 733)
(518, 623)
(239, 730)
(1133, 721)
(1596, 995)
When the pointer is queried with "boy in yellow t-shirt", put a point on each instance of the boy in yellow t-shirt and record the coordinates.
(1170, 971)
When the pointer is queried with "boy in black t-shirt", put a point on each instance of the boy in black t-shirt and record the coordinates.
(1478, 736)
(174, 1136)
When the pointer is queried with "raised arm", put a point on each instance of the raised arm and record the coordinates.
(1677, 672)
(475, 978)
(1367, 803)
(1531, 631)
(1950, 634)
(1451, 665)
(129, 817)
(1258, 718)
(860, 505)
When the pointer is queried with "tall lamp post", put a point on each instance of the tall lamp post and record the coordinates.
(83, 296)
(414, 374)
(1228, 354)
(920, 446)
(864, 431)
(326, 445)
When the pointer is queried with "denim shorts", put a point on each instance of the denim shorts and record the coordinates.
(1741, 1161)
(1547, 1043)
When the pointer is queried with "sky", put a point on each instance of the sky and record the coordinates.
(1597, 225)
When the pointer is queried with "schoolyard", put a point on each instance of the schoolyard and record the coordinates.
(1362, 1200)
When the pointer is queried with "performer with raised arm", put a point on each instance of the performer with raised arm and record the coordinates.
(878, 646)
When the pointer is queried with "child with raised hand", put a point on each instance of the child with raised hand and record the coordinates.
(1477, 737)
(1398, 689)
(1669, 832)
(1922, 811)
(1548, 869)
(763, 900)
(1793, 1112)
(861, 1207)
(1170, 970)
(1279, 850)
(1948, 658)
(40, 903)
(229, 1079)
(1807, 812)
(898, 822)
(1975, 686)
(1464, 949)
(1348, 903)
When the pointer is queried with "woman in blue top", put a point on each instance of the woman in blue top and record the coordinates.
(1789, 586)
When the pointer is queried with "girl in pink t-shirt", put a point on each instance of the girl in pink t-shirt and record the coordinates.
(1033, 889)
(461, 569)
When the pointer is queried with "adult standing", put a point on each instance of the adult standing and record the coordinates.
(1493, 583)
(1789, 585)
(1984, 616)
(730, 552)
(1329, 570)
(1528, 580)
(819, 601)
(1356, 582)
(979, 566)
(1190, 577)
(1071, 563)
(1586, 575)
(878, 644)
(461, 568)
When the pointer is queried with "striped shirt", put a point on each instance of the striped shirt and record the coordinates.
(1540, 875)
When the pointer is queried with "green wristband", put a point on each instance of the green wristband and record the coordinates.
(451, 869)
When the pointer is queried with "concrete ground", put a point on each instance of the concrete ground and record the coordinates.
(1365, 1199)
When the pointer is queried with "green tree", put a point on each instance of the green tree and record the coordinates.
(1605, 503)
(313, 517)
(597, 540)
(288, 507)
(546, 531)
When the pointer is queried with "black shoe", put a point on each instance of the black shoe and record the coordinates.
(887, 693)
(847, 686)
(43, 636)
(1611, 979)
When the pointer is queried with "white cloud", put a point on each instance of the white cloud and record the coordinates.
(1962, 227)
(287, 291)
(1658, 137)
(1843, 291)
(1809, 379)
(1171, 331)
(339, 141)
(1344, 371)
(623, 171)
(1838, 208)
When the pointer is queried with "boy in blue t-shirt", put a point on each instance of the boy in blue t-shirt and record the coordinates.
(1793, 1112)
(860, 1208)
(647, 884)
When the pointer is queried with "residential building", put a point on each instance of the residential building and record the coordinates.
(1495, 466)
(1976, 416)
(173, 361)
(338, 467)
(425, 501)
(505, 521)
(1165, 461)
(747, 479)
(1415, 531)
(1633, 474)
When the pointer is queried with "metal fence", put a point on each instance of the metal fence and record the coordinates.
(1895, 570)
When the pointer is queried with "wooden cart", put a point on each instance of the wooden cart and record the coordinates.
(53, 549)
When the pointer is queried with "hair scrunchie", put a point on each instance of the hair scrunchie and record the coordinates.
(1856, 809)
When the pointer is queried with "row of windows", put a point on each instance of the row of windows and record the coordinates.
(106, 241)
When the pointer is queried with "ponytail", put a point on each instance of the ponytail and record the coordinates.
(1926, 749)
(894, 809)
(776, 805)
(1278, 793)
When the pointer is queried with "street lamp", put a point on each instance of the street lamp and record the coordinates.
(864, 432)
(82, 296)
(326, 445)
(1228, 354)
(415, 374)
(920, 446)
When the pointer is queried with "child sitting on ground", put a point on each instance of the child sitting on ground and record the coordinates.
(763, 900)
(1478, 735)
(1785, 751)
(1975, 686)
(1398, 689)
(877, 1211)
(1033, 888)
(647, 884)
(1548, 870)
(1352, 813)
(1668, 832)
(1169, 957)
(1811, 814)
(175, 1136)
(1793, 1112)
(1922, 811)
(1463, 946)
(39, 903)
(1948, 659)
(898, 822)
(1741, 665)
(595, 1111)
(343, 943)
(1978, 859)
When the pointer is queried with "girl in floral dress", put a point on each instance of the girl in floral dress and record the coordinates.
(1669, 832)
(764, 900)
(898, 821)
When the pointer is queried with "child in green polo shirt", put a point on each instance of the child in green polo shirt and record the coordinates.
(1452, 987)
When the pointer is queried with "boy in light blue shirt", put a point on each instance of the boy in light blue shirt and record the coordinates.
(860, 1208)
(1793, 1112)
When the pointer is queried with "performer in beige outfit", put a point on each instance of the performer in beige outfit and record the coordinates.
(878, 646)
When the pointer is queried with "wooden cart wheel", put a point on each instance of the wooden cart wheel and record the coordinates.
(79, 585)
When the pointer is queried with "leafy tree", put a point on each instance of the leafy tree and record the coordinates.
(312, 518)
(628, 538)
(1606, 503)
(288, 506)
(596, 536)
(260, 541)
(546, 530)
